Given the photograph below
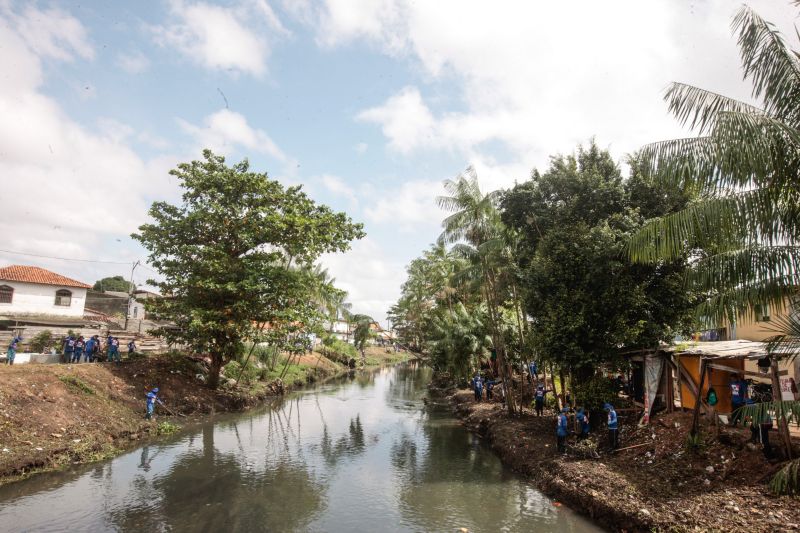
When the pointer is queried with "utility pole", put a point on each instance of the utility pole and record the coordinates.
(130, 295)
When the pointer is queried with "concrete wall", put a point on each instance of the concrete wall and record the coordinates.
(37, 299)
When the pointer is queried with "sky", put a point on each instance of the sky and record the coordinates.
(369, 104)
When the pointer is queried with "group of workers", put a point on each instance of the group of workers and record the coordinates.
(73, 348)
(90, 349)
(480, 383)
(583, 426)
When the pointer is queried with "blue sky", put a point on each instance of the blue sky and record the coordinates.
(368, 104)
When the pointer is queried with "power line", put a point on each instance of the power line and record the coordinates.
(69, 258)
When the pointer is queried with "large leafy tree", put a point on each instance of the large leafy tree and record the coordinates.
(114, 283)
(585, 299)
(226, 255)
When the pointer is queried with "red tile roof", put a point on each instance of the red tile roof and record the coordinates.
(31, 274)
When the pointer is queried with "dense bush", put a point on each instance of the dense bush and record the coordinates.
(594, 392)
(42, 341)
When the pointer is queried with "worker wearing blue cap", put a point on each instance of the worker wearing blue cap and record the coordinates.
(613, 426)
(152, 398)
(562, 431)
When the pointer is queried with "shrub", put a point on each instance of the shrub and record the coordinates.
(166, 428)
(75, 384)
(593, 393)
(42, 341)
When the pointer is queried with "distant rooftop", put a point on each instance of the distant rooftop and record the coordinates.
(32, 274)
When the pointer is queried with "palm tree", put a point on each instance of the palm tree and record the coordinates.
(476, 220)
(744, 165)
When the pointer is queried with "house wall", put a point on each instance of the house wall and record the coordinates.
(719, 379)
(37, 299)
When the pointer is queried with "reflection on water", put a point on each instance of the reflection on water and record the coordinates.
(364, 454)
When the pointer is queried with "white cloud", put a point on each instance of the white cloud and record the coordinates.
(338, 187)
(537, 78)
(372, 282)
(68, 190)
(404, 119)
(219, 38)
(224, 130)
(133, 62)
(408, 206)
(49, 33)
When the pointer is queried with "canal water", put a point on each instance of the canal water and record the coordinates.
(361, 454)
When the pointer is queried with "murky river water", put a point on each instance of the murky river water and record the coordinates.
(363, 454)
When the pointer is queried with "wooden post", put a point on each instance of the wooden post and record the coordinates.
(699, 398)
(783, 427)
(680, 380)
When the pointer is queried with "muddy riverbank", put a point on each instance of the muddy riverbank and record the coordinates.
(657, 485)
(53, 416)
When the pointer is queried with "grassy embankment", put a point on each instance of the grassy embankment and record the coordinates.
(55, 415)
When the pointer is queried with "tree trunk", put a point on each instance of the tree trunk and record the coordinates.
(563, 388)
(214, 370)
(698, 399)
(783, 427)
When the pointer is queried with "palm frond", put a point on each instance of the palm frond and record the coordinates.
(741, 302)
(766, 59)
(699, 108)
(746, 218)
(786, 341)
(782, 410)
(746, 267)
(786, 481)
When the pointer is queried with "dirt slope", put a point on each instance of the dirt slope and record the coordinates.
(656, 486)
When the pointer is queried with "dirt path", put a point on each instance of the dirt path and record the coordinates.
(656, 486)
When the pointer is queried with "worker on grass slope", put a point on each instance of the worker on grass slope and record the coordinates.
(152, 398)
(78, 351)
(113, 350)
(613, 426)
(12, 349)
(533, 371)
(562, 431)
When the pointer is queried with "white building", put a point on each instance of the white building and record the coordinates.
(340, 329)
(29, 290)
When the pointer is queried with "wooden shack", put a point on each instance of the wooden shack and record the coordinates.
(722, 359)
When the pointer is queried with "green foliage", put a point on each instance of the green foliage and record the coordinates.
(167, 428)
(457, 340)
(695, 443)
(586, 299)
(786, 482)
(594, 392)
(115, 284)
(42, 341)
(362, 332)
(76, 384)
(228, 256)
(339, 351)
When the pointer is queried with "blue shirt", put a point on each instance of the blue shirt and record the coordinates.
(738, 392)
(561, 429)
(583, 420)
(152, 397)
(533, 368)
(612, 419)
(539, 395)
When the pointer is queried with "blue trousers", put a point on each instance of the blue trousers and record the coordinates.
(12, 353)
(76, 356)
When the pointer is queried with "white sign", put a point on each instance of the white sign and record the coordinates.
(788, 388)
